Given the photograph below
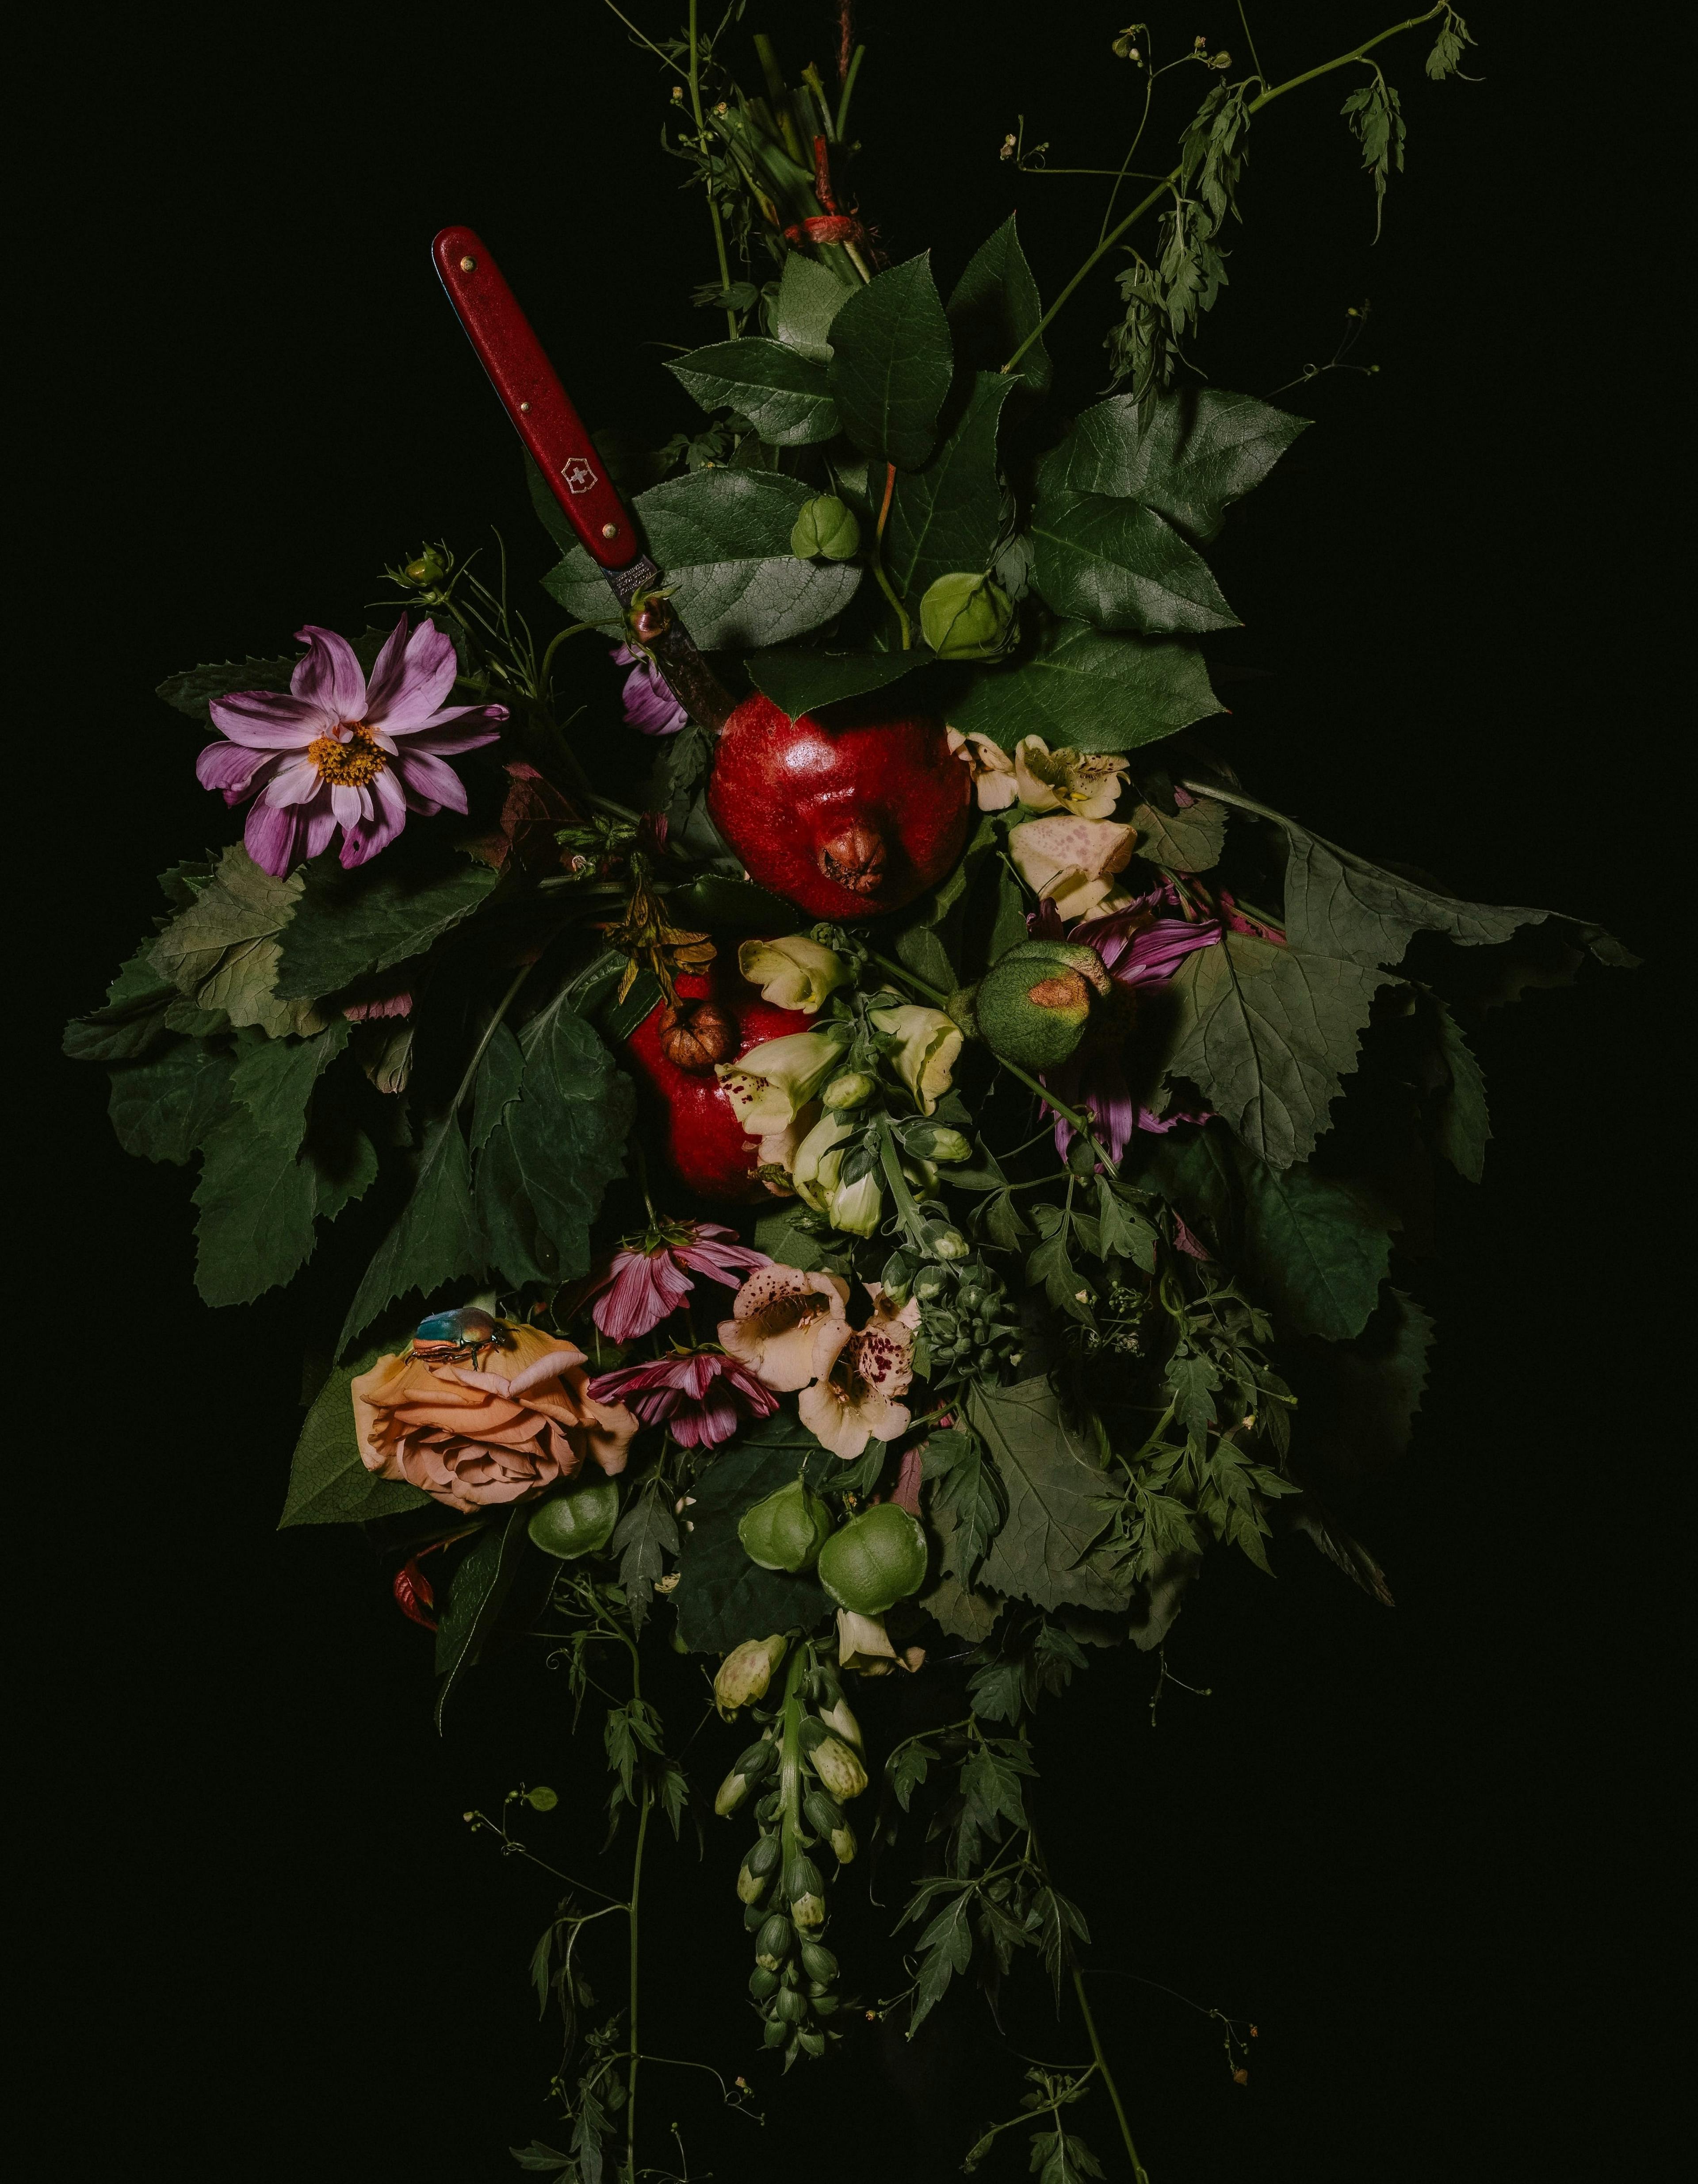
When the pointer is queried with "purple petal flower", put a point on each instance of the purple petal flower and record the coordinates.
(702, 1395)
(645, 1281)
(341, 752)
(649, 704)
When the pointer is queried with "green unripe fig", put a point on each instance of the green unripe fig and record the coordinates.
(1034, 1003)
(576, 1523)
(772, 1943)
(826, 528)
(786, 1530)
(876, 1559)
(818, 1962)
(762, 1983)
(966, 615)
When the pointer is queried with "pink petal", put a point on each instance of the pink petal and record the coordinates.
(387, 673)
(431, 785)
(347, 802)
(330, 676)
(266, 720)
(417, 679)
(643, 1291)
(320, 825)
(721, 1262)
(438, 733)
(272, 838)
(296, 783)
(231, 767)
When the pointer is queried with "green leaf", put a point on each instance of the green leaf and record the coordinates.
(891, 365)
(1315, 1249)
(722, 1597)
(347, 924)
(1124, 1230)
(995, 306)
(783, 393)
(947, 1947)
(809, 298)
(1094, 692)
(191, 691)
(1358, 1400)
(950, 516)
(1119, 565)
(926, 955)
(1187, 455)
(723, 537)
(646, 1534)
(1464, 1130)
(990, 1786)
(1267, 1034)
(222, 951)
(568, 1131)
(164, 1109)
(498, 1075)
(435, 1240)
(907, 1769)
(1190, 840)
(968, 1489)
(482, 1582)
(1042, 1552)
(799, 682)
(328, 1484)
(715, 901)
(133, 1018)
(782, 1236)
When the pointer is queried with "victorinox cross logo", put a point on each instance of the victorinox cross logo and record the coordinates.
(578, 474)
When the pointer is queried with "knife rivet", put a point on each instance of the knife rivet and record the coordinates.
(524, 407)
(610, 531)
(468, 265)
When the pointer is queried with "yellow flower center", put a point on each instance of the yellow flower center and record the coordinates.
(348, 765)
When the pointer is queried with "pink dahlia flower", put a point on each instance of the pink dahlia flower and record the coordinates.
(703, 1396)
(645, 1282)
(647, 696)
(339, 751)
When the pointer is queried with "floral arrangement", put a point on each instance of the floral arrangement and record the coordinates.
(893, 1205)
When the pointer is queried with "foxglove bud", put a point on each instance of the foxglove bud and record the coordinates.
(809, 1912)
(772, 1943)
(839, 1769)
(844, 1844)
(745, 1673)
(840, 1718)
(818, 1962)
(853, 1088)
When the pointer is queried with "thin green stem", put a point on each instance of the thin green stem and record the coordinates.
(849, 92)
(1138, 2167)
(1172, 179)
(1255, 57)
(695, 81)
(636, 2053)
(883, 582)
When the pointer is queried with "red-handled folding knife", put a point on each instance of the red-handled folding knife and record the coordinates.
(543, 415)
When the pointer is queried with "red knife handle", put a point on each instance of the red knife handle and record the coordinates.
(533, 398)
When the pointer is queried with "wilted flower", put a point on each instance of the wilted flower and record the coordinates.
(645, 1281)
(769, 1086)
(864, 1645)
(792, 973)
(702, 1397)
(926, 1059)
(1069, 861)
(990, 767)
(647, 696)
(746, 1671)
(1086, 783)
(862, 1373)
(341, 751)
(777, 1321)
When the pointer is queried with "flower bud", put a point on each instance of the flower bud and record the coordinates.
(762, 1983)
(826, 527)
(730, 1794)
(823, 1813)
(853, 1088)
(802, 1877)
(750, 1886)
(965, 616)
(777, 2033)
(843, 1722)
(839, 1769)
(745, 1673)
(807, 1911)
(944, 1242)
(791, 2005)
(818, 1962)
(932, 1141)
(772, 1943)
(428, 569)
(844, 1844)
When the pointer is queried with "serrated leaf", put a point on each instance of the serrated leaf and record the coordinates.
(644, 1536)
(809, 298)
(1124, 1231)
(1189, 455)
(1189, 840)
(781, 1235)
(328, 1483)
(950, 515)
(722, 537)
(568, 1131)
(133, 1018)
(906, 1770)
(1315, 1248)
(994, 307)
(1267, 1034)
(499, 1076)
(892, 364)
(221, 951)
(1089, 689)
(722, 1597)
(1042, 1553)
(801, 680)
(482, 1582)
(1119, 565)
(1338, 904)
(164, 1108)
(191, 691)
(436, 1240)
(349, 924)
(1463, 1128)
(967, 1498)
(782, 393)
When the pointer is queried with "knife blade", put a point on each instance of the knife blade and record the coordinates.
(541, 413)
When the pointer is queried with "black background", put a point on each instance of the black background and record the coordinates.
(1422, 1849)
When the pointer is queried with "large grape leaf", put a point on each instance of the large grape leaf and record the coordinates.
(809, 298)
(1187, 840)
(1043, 1552)
(1119, 565)
(995, 306)
(1189, 456)
(722, 539)
(328, 1484)
(892, 364)
(347, 924)
(1267, 1034)
(782, 393)
(722, 1597)
(950, 515)
(1090, 690)
(163, 1108)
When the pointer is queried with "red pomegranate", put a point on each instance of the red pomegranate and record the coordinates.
(842, 812)
(716, 1020)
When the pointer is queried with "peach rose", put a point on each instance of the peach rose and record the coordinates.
(475, 1437)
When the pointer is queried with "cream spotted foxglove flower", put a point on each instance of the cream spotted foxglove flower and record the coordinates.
(990, 768)
(1071, 862)
(1086, 783)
